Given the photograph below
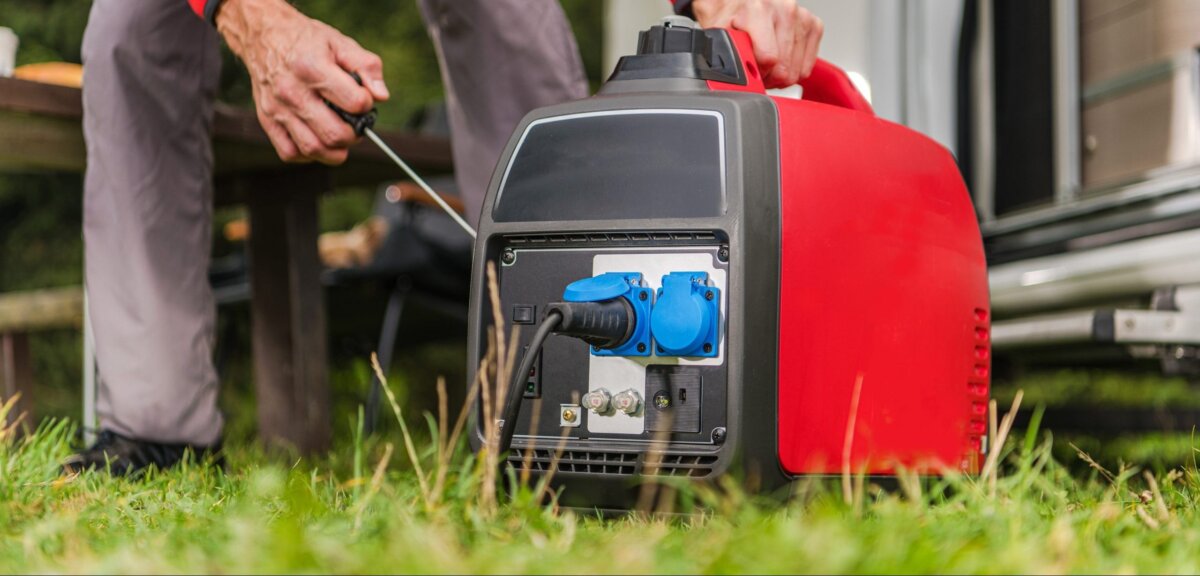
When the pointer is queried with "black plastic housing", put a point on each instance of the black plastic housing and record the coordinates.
(735, 434)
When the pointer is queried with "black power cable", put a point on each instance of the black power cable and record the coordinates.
(604, 324)
(512, 408)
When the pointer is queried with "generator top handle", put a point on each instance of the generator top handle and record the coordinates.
(827, 84)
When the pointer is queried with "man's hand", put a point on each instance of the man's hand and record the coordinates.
(786, 37)
(295, 64)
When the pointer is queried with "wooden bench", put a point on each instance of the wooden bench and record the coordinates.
(40, 130)
(20, 314)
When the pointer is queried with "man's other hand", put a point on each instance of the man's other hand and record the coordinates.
(786, 37)
(295, 64)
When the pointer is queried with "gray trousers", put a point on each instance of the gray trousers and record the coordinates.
(151, 72)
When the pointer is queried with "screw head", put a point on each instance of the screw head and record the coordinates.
(707, 348)
(641, 347)
(723, 254)
(662, 400)
(569, 415)
(709, 295)
(508, 256)
(718, 435)
(642, 296)
(595, 348)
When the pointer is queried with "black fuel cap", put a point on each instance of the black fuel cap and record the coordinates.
(679, 48)
(676, 34)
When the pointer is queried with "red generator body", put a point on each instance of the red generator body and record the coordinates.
(781, 287)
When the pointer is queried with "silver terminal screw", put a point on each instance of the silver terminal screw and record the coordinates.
(598, 401)
(628, 401)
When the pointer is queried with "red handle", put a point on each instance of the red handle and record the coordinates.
(827, 84)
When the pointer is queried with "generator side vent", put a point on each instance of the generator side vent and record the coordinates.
(695, 466)
(611, 237)
(978, 391)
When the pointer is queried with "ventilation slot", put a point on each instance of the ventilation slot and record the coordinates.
(614, 463)
(587, 462)
(682, 465)
(977, 390)
(614, 237)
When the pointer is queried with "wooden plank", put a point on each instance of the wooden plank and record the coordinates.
(287, 311)
(41, 309)
(16, 374)
(40, 98)
(40, 130)
(37, 143)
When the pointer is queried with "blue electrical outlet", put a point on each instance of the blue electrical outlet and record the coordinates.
(611, 285)
(686, 316)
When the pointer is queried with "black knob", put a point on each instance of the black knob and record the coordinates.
(670, 39)
(678, 48)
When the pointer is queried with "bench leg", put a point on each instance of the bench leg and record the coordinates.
(288, 314)
(16, 371)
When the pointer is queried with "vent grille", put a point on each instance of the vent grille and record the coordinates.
(695, 466)
(611, 237)
(590, 462)
(977, 391)
(615, 463)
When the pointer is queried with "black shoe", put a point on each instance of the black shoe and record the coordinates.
(122, 456)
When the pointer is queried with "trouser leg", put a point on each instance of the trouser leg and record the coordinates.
(499, 59)
(151, 70)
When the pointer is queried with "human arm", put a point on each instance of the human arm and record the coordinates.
(786, 37)
(296, 64)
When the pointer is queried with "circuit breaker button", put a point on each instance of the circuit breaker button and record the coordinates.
(523, 314)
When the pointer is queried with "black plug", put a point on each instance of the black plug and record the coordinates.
(606, 324)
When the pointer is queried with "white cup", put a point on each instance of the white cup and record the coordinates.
(8, 51)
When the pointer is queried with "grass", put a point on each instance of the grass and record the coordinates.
(362, 509)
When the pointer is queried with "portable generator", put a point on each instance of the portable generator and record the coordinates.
(713, 280)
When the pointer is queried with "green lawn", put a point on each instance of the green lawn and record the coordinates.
(363, 510)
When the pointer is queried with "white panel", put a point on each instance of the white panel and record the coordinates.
(619, 373)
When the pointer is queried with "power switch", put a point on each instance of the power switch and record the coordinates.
(524, 314)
